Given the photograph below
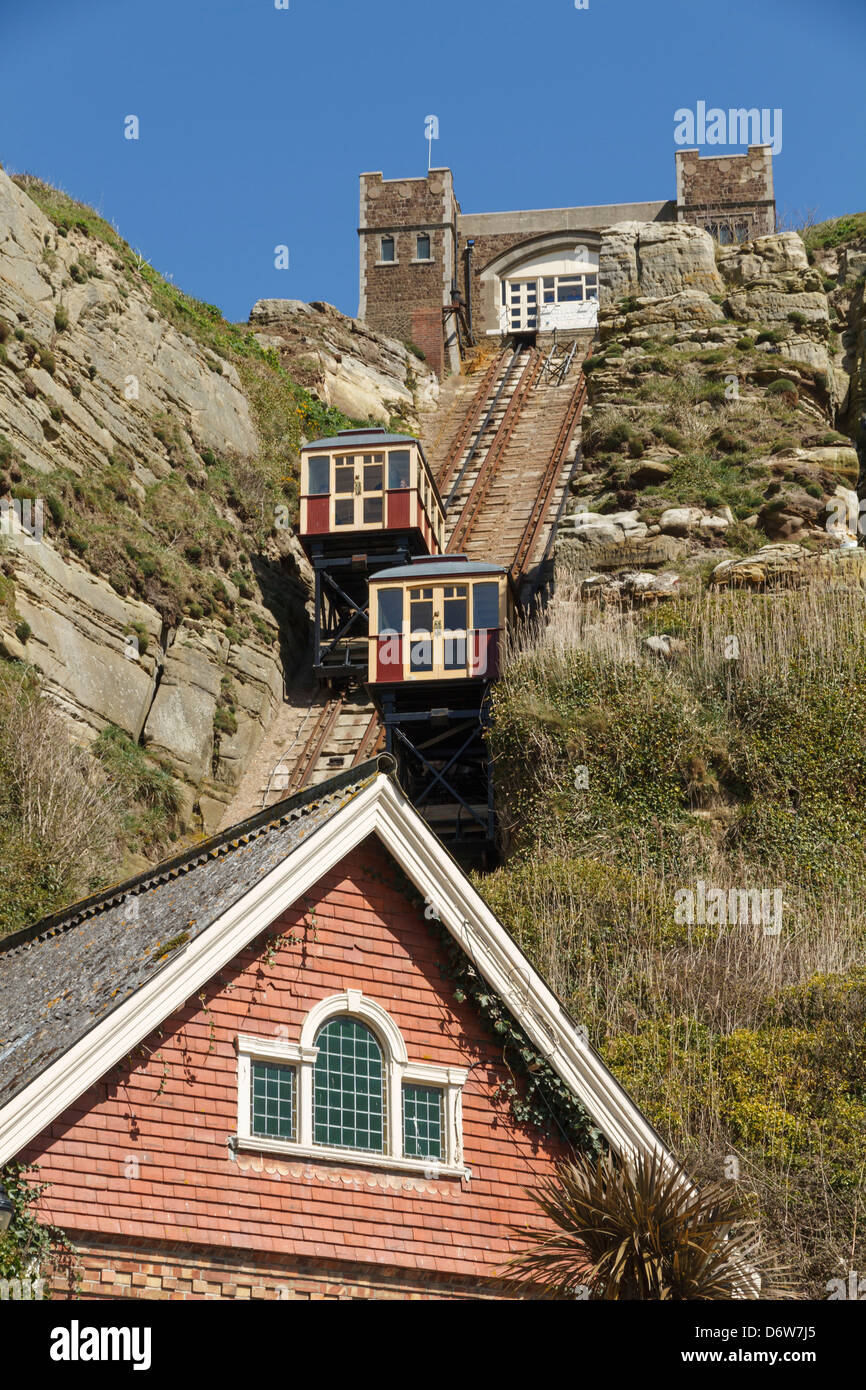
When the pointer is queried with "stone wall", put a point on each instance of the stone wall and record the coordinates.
(392, 293)
(733, 192)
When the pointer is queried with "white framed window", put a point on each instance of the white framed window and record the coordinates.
(387, 250)
(423, 250)
(347, 1089)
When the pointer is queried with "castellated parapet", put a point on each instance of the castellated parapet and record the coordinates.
(526, 272)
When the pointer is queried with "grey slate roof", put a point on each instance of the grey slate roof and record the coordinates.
(365, 439)
(62, 976)
(437, 568)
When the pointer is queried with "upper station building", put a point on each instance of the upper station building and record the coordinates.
(530, 271)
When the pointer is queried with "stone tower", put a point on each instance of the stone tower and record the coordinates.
(408, 240)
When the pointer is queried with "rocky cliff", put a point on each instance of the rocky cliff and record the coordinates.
(148, 454)
(717, 398)
(347, 364)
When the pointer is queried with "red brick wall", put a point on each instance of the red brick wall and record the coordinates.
(143, 1158)
(112, 1270)
(427, 335)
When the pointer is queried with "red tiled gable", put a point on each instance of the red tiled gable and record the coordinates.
(143, 1155)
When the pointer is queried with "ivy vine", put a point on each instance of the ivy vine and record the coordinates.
(32, 1249)
(536, 1093)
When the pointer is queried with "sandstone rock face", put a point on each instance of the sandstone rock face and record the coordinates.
(362, 373)
(680, 365)
(140, 365)
(632, 586)
(656, 259)
(82, 640)
(787, 564)
(766, 256)
(617, 540)
(119, 370)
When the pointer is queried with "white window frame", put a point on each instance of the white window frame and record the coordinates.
(423, 260)
(397, 1072)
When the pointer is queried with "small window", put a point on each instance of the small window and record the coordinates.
(422, 248)
(272, 1096)
(372, 477)
(398, 468)
(344, 477)
(386, 249)
(547, 282)
(372, 511)
(725, 237)
(344, 512)
(319, 474)
(421, 615)
(349, 1102)
(454, 614)
(485, 605)
(390, 611)
(421, 655)
(570, 288)
(422, 1122)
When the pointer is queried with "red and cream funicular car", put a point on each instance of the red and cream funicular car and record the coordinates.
(364, 487)
(437, 620)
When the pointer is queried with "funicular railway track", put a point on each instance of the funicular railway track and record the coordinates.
(503, 481)
(509, 463)
(338, 732)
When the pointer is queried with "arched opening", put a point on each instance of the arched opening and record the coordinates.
(550, 283)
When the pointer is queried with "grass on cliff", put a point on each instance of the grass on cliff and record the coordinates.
(719, 413)
(69, 817)
(836, 231)
(748, 774)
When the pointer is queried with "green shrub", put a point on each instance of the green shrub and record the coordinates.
(224, 721)
(61, 318)
(781, 387)
(23, 631)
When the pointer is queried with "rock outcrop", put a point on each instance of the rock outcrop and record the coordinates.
(103, 400)
(347, 364)
(714, 399)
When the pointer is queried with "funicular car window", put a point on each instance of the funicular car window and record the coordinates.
(398, 468)
(485, 605)
(344, 475)
(319, 474)
(390, 611)
(455, 603)
(372, 511)
(372, 477)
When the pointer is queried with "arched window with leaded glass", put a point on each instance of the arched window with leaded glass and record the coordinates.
(349, 1087)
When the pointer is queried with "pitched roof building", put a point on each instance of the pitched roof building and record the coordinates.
(303, 1060)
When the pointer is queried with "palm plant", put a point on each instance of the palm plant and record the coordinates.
(639, 1229)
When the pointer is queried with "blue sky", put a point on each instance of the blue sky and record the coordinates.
(255, 122)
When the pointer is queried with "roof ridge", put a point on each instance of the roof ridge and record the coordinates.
(290, 808)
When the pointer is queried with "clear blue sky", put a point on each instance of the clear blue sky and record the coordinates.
(255, 122)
